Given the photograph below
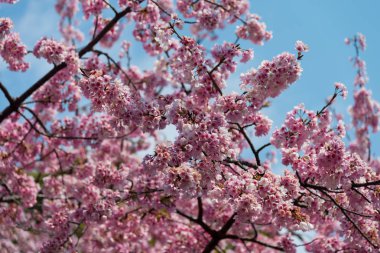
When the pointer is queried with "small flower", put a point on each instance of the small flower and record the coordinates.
(301, 46)
(247, 55)
(342, 89)
(362, 41)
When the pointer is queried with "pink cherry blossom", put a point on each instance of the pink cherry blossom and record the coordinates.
(271, 78)
(13, 52)
(254, 30)
(109, 153)
(301, 46)
(9, 1)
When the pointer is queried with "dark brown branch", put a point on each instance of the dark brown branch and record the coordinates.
(200, 223)
(268, 245)
(369, 150)
(308, 243)
(6, 93)
(255, 153)
(37, 118)
(220, 235)
(227, 225)
(216, 86)
(356, 185)
(263, 147)
(110, 5)
(217, 65)
(324, 107)
(241, 163)
(161, 9)
(175, 31)
(305, 184)
(361, 194)
(96, 26)
(13, 107)
(200, 209)
(211, 245)
(102, 33)
(254, 240)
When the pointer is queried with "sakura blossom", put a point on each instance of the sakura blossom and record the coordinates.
(301, 46)
(106, 153)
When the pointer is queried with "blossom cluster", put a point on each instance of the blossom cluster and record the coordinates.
(271, 78)
(11, 48)
(92, 7)
(254, 30)
(58, 53)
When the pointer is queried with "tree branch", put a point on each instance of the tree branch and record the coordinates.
(6, 93)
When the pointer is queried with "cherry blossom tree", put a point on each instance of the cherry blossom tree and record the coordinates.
(72, 174)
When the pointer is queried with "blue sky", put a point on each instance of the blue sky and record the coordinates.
(323, 25)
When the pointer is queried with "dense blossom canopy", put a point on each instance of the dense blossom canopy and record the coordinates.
(74, 173)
